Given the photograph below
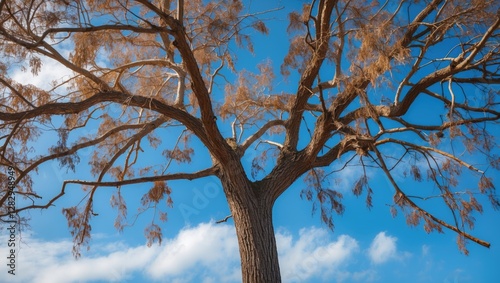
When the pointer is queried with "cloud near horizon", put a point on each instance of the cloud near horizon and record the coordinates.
(204, 253)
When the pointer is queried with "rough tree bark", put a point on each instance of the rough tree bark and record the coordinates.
(252, 214)
(251, 208)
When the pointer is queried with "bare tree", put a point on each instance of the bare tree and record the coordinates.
(363, 74)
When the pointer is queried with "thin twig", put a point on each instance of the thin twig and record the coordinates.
(225, 219)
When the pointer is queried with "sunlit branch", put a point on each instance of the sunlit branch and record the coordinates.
(41, 38)
(212, 77)
(324, 85)
(452, 105)
(400, 130)
(233, 128)
(251, 139)
(152, 62)
(52, 53)
(276, 144)
(393, 112)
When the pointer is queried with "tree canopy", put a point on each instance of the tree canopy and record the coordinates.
(395, 86)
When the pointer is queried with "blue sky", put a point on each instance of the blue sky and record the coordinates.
(366, 245)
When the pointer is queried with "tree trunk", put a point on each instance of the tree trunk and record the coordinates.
(252, 215)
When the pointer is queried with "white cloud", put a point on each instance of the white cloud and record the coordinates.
(212, 247)
(383, 248)
(51, 71)
(313, 255)
(39, 261)
(205, 253)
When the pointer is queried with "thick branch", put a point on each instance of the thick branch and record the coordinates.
(310, 73)
(189, 121)
(176, 176)
(214, 138)
(333, 154)
(50, 31)
(409, 35)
